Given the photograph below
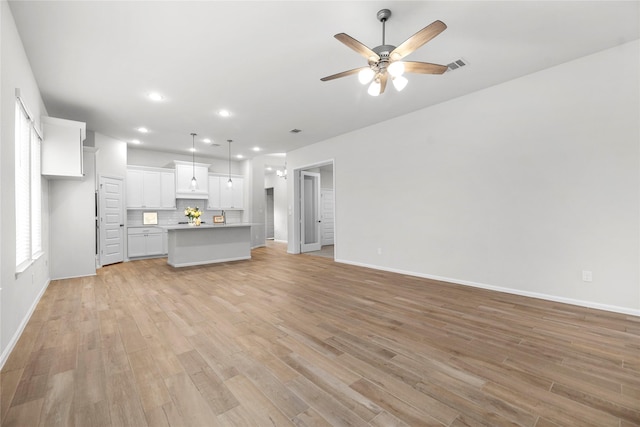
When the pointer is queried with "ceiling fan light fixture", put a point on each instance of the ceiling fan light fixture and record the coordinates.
(396, 69)
(399, 82)
(374, 88)
(366, 75)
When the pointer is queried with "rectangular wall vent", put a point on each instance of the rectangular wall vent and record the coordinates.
(457, 64)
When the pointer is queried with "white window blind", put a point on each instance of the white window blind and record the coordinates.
(28, 183)
(36, 196)
(23, 190)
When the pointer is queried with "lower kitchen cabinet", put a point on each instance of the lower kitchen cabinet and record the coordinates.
(146, 241)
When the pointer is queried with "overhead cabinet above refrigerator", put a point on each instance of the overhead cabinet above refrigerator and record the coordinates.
(62, 148)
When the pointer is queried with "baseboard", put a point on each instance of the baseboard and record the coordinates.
(14, 340)
(75, 277)
(547, 297)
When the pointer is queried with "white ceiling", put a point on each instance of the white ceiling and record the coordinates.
(97, 61)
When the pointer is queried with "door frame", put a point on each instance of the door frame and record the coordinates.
(295, 239)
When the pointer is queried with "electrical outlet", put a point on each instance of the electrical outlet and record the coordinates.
(587, 276)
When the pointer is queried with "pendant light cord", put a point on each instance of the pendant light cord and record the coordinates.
(229, 182)
(194, 182)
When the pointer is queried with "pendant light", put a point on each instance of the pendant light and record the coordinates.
(229, 182)
(194, 181)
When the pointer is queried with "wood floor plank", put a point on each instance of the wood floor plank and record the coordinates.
(299, 340)
(8, 384)
(151, 388)
(24, 414)
(57, 406)
(190, 404)
(125, 407)
(261, 411)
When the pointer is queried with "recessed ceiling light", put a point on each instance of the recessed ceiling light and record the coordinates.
(135, 141)
(269, 168)
(192, 149)
(143, 130)
(240, 156)
(206, 140)
(155, 96)
(256, 148)
(224, 113)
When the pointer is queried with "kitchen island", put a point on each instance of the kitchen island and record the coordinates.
(207, 243)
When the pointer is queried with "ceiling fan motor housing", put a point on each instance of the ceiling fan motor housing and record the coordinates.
(383, 52)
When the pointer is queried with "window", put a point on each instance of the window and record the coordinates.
(28, 191)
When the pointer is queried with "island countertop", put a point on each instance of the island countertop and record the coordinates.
(196, 227)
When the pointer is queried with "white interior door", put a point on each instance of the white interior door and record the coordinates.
(111, 221)
(310, 223)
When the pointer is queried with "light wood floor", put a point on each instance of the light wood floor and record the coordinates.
(297, 340)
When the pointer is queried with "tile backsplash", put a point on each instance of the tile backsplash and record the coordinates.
(170, 217)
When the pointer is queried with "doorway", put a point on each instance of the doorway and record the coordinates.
(313, 210)
(270, 214)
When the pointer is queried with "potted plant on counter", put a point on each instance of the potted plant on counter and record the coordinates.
(193, 214)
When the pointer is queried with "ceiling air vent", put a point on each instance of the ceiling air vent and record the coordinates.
(457, 64)
(295, 131)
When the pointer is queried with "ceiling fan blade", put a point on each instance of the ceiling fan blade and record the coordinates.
(424, 67)
(418, 39)
(342, 74)
(357, 46)
(383, 82)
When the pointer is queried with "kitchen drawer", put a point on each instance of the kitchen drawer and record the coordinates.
(143, 230)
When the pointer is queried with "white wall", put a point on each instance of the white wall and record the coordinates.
(73, 227)
(254, 175)
(160, 159)
(518, 187)
(19, 294)
(111, 156)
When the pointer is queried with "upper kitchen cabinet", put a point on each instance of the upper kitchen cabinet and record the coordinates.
(62, 148)
(221, 196)
(150, 188)
(185, 171)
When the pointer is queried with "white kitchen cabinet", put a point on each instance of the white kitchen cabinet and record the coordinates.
(150, 188)
(231, 198)
(62, 148)
(145, 241)
(184, 172)
(168, 186)
(223, 197)
(214, 192)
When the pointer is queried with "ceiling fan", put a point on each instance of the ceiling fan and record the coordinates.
(385, 61)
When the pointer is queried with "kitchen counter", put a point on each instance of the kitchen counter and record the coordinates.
(207, 243)
(197, 227)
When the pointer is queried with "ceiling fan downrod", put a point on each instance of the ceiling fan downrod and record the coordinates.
(383, 15)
